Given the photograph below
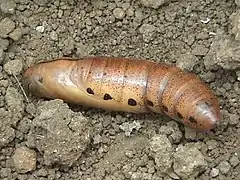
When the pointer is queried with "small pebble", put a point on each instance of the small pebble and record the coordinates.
(160, 143)
(8, 6)
(13, 67)
(238, 75)
(224, 167)
(54, 36)
(6, 26)
(190, 133)
(212, 144)
(119, 13)
(187, 61)
(16, 34)
(42, 2)
(97, 139)
(129, 153)
(14, 99)
(40, 29)
(42, 172)
(1, 56)
(233, 119)
(188, 161)
(5, 172)
(153, 3)
(35, 43)
(199, 50)
(129, 127)
(234, 20)
(214, 172)
(234, 161)
(24, 159)
(30, 108)
(237, 2)
(147, 31)
(4, 43)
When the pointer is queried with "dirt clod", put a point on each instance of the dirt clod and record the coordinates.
(14, 100)
(8, 6)
(187, 61)
(237, 2)
(128, 127)
(7, 133)
(13, 67)
(119, 13)
(1, 56)
(24, 159)
(161, 148)
(60, 134)
(214, 172)
(224, 52)
(153, 3)
(190, 134)
(188, 162)
(16, 34)
(147, 31)
(6, 26)
(224, 167)
(4, 43)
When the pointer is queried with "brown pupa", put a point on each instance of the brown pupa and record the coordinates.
(128, 85)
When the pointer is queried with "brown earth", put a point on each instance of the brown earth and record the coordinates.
(43, 139)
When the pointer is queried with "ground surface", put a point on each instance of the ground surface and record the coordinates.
(52, 140)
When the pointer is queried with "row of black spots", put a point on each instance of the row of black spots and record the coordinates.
(131, 102)
(179, 115)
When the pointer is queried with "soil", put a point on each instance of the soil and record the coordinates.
(50, 139)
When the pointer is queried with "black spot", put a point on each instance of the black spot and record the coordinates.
(165, 109)
(125, 76)
(149, 103)
(90, 91)
(104, 74)
(40, 80)
(179, 115)
(107, 97)
(192, 120)
(132, 102)
(207, 103)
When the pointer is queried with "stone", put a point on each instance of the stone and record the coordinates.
(224, 167)
(188, 162)
(13, 67)
(119, 13)
(153, 3)
(6, 26)
(24, 159)
(8, 6)
(147, 31)
(16, 34)
(128, 127)
(214, 172)
(59, 133)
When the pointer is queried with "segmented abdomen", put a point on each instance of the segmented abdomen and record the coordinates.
(129, 85)
(139, 85)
